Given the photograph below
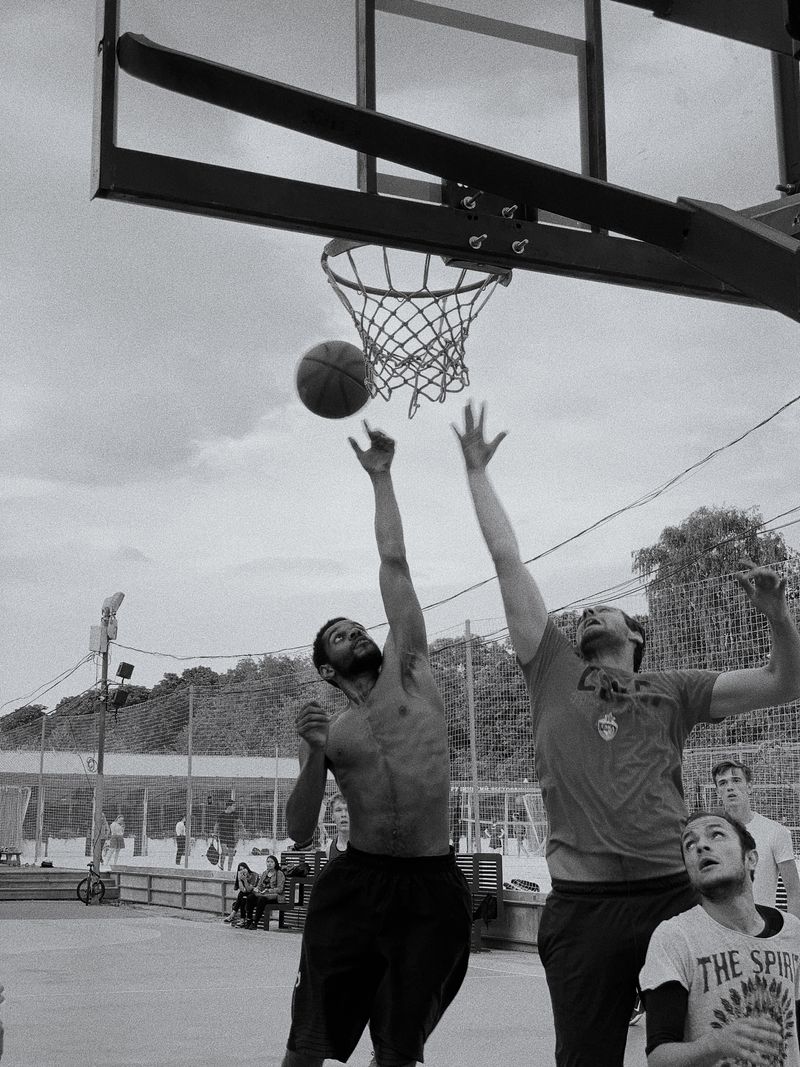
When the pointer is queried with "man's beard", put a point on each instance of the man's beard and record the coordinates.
(366, 661)
(724, 890)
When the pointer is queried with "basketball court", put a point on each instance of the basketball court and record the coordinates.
(425, 212)
(107, 986)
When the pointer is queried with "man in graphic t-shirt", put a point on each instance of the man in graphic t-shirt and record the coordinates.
(721, 981)
(773, 840)
(608, 741)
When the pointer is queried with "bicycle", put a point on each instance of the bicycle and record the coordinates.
(92, 887)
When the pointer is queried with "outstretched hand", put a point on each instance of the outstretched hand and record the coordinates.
(477, 450)
(764, 588)
(378, 457)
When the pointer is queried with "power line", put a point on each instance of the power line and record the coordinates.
(40, 690)
(646, 498)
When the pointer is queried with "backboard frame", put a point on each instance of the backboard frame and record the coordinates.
(676, 247)
(587, 53)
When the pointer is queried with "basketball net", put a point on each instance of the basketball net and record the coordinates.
(412, 332)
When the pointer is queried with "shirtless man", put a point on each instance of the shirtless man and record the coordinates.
(386, 938)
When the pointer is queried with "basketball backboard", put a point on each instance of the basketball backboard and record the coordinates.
(419, 186)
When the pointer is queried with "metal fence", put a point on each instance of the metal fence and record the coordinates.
(182, 754)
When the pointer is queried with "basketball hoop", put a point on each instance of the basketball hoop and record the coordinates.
(413, 333)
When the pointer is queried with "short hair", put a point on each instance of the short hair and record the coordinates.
(730, 764)
(318, 653)
(746, 839)
(337, 798)
(636, 627)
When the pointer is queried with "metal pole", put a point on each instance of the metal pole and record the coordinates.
(40, 796)
(188, 817)
(473, 752)
(107, 633)
(275, 806)
(99, 783)
(143, 848)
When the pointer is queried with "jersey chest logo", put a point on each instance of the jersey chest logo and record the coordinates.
(607, 726)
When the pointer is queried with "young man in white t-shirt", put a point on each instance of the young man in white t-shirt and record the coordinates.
(773, 840)
(721, 981)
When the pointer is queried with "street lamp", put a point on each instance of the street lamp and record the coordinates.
(99, 639)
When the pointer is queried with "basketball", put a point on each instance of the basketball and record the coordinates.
(330, 379)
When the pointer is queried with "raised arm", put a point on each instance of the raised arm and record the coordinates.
(302, 807)
(400, 602)
(525, 609)
(791, 883)
(736, 692)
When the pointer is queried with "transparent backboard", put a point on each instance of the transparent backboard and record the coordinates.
(552, 85)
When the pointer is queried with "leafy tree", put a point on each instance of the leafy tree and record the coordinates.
(21, 728)
(711, 542)
(698, 615)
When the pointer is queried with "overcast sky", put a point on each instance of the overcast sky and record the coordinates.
(152, 439)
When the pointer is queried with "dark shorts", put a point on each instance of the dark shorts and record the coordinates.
(592, 941)
(386, 942)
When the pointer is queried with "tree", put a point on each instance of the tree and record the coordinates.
(711, 542)
(698, 615)
(22, 728)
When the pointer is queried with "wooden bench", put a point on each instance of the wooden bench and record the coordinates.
(484, 874)
(292, 915)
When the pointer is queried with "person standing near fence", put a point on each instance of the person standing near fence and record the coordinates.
(116, 840)
(180, 839)
(609, 741)
(226, 828)
(732, 780)
(387, 934)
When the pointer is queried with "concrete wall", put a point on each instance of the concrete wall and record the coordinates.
(519, 926)
(207, 891)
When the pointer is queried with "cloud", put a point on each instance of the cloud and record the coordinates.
(127, 554)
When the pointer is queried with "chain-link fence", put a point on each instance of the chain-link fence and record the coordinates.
(182, 751)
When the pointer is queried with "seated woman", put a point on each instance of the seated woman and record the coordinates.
(243, 887)
(268, 890)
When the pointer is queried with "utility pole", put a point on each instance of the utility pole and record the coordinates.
(100, 636)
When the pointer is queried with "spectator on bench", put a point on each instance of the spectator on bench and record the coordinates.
(268, 891)
(243, 887)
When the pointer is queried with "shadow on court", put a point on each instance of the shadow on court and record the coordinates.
(107, 986)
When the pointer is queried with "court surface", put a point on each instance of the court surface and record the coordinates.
(129, 985)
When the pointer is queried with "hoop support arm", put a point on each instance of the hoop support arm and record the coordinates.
(757, 259)
(590, 200)
(265, 200)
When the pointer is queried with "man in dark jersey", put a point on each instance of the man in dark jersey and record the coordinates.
(226, 828)
(608, 743)
(386, 938)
